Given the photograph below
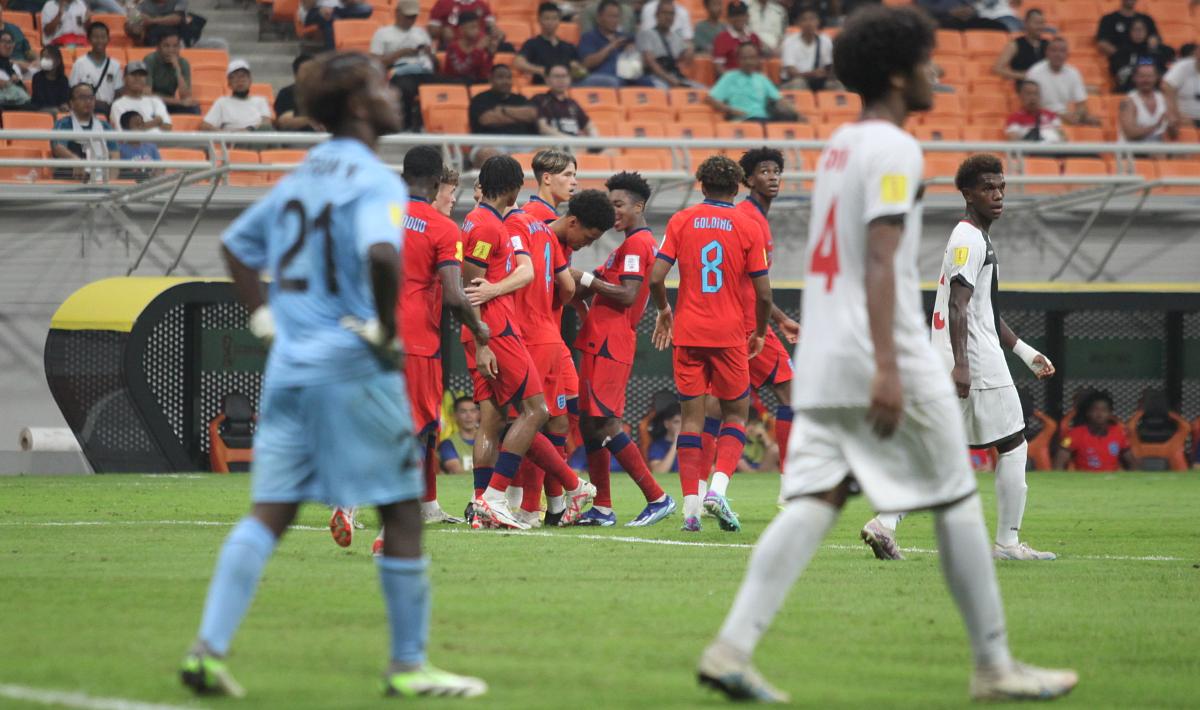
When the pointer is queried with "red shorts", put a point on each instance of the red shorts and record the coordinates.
(423, 375)
(722, 372)
(772, 366)
(568, 377)
(518, 379)
(547, 358)
(604, 382)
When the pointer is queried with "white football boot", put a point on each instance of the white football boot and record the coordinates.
(1020, 551)
(1021, 682)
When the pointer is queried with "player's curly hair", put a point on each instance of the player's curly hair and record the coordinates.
(449, 176)
(630, 182)
(499, 175)
(878, 41)
(1088, 401)
(552, 161)
(325, 85)
(593, 209)
(719, 175)
(751, 158)
(968, 173)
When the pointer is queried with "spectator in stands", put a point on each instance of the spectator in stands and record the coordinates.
(322, 14)
(807, 55)
(736, 32)
(628, 24)
(746, 93)
(287, 111)
(64, 22)
(157, 18)
(98, 69)
(80, 120)
(768, 22)
(681, 23)
(1137, 51)
(1063, 91)
(50, 90)
(1032, 122)
(1181, 87)
(557, 113)
(136, 150)
(408, 51)
(1023, 51)
(1000, 11)
(138, 99)
(1143, 116)
(761, 453)
(545, 50)
(608, 52)
(959, 15)
(705, 32)
(469, 56)
(240, 111)
(1096, 441)
(22, 52)
(664, 50)
(171, 75)
(457, 451)
(1114, 29)
(13, 93)
(498, 111)
(664, 435)
(445, 20)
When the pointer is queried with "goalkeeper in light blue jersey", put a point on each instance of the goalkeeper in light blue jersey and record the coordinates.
(334, 424)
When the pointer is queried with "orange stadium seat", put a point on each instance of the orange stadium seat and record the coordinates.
(590, 162)
(691, 130)
(986, 110)
(27, 121)
(642, 129)
(942, 165)
(1189, 168)
(569, 32)
(937, 133)
(607, 128)
(686, 97)
(446, 119)
(740, 130)
(1042, 167)
(983, 133)
(951, 71)
(803, 99)
(20, 174)
(245, 179)
(701, 70)
(645, 159)
(24, 22)
(838, 101)
(1077, 14)
(208, 75)
(992, 85)
(183, 154)
(606, 113)
(1145, 168)
(773, 68)
(354, 34)
(280, 157)
(516, 31)
(185, 123)
(641, 97)
(984, 44)
(1085, 134)
(946, 105)
(589, 97)
(790, 132)
(204, 58)
(950, 42)
(443, 95)
(698, 113)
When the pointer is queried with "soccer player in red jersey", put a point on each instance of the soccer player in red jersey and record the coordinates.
(607, 341)
(715, 247)
(497, 261)
(554, 171)
(1095, 442)
(447, 191)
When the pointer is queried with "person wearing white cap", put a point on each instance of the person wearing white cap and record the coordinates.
(137, 98)
(408, 51)
(240, 111)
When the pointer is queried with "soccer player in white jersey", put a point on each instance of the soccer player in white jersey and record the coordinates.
(873, 402)
(971, 336)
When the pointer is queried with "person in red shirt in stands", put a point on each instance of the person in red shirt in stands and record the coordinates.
(446, 18)
(469, 55)
(735, 34)
(1097, 442)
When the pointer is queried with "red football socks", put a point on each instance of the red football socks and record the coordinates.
(688, 449)
(430, 468)
(599, 462)
(630, 457)
(543, 454)
(730, 444)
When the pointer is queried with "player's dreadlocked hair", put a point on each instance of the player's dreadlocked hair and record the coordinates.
(878, 41)
(551, 161)
(633, 183)
(968, 173)
(500, 175)
(324, 85)
(719, 175)
(449, 176)
(751, 159)
(593, 210)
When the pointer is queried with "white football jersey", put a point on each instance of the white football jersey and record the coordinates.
(868, 170)
(971, 260)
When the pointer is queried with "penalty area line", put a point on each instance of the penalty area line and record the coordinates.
(45, 696)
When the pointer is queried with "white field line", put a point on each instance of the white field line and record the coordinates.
(545, 533)
(44, 696)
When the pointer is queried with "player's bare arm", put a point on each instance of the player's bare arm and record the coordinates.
(887, 397)
(624, 293)
(786, 324)
(1037, 362)
(658, 293)
(762, 313)
(960, 298)
(455, 298)
(250, 291)
(565, 283)
(481, 290)
(485, 360)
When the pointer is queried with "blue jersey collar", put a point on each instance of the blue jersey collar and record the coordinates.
(639, 229)
(757, 206)
(536, 198)
(493, 210)
(418, 199)
(718, 203)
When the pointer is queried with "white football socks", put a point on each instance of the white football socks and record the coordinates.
(703, 488)
(971, 576)
(556, 504)
(1010, 494)
(890, 520)
(720, 483)
(781, 554)
(692, 506)
(514, 495)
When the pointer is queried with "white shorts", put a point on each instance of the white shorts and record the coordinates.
(991, 415)
(923, 465)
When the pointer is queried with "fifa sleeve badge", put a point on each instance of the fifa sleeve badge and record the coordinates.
(960, 255)
(396, 212)
(893, 189)
(481, 250)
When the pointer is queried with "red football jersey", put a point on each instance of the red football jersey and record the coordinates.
(1096, 453)
(610, 328)
(757, 215)
(431, 241)
(715, 247)
(541, 322)
(539, 209)
(490, 245)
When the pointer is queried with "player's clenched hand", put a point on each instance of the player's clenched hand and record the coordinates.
(481, 291)
(887, 402)
(961, 374)
(1042, 367)
(755, 345)
(485, 362)
(662, 330)
(790, 329)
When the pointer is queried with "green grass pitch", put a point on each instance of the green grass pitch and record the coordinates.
(102, 581)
